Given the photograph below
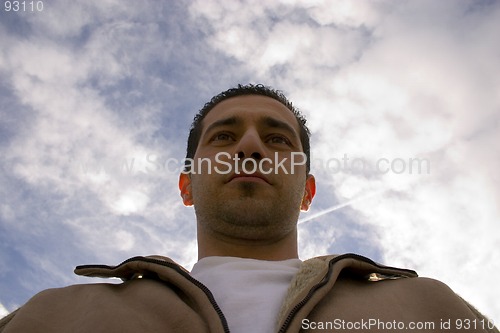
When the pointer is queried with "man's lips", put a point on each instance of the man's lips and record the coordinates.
(253, 177)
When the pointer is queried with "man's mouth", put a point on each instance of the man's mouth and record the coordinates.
(246, 177)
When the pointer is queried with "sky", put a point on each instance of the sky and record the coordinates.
(402, 99)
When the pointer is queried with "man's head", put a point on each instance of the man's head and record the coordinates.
(249, 179)
(241, 90)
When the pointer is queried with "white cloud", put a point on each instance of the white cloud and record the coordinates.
(264, 44)
(79, 114)
(3, 311)
(130, 202)
(346, 13)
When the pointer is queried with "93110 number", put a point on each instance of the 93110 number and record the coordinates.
(23, 6)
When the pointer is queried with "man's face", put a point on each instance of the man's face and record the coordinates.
(249, 175)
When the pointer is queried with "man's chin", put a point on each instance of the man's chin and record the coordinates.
(247, 206)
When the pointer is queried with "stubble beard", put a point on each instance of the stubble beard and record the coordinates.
(248, 217)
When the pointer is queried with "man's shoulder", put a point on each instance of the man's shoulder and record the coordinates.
(362, 287)
(133, 287)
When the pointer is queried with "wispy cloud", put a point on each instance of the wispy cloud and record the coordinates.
(3, 311)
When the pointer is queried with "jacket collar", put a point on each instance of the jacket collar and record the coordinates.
(311, 269)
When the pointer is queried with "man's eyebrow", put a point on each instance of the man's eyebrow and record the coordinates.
(223, 122)
(275, 123)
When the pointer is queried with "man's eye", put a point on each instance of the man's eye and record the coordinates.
(222, 137)
(279, 139)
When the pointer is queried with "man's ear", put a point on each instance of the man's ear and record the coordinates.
(185, 188)
(309, 192)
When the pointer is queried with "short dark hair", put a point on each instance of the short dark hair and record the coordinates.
(249, 89)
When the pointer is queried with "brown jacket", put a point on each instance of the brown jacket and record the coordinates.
(341, 293)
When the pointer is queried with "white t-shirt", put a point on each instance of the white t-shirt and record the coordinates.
(248, 291)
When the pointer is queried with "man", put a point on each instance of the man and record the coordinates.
(247, 175)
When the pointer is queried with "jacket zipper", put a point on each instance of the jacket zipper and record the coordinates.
(323, 281)
(179, 270)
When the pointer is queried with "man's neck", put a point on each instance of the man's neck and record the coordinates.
(282, 249)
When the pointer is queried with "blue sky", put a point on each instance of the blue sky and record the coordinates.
(113, 86)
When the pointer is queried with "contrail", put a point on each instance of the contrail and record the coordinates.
(339, 206)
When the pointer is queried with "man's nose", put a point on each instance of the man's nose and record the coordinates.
(250, 146)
